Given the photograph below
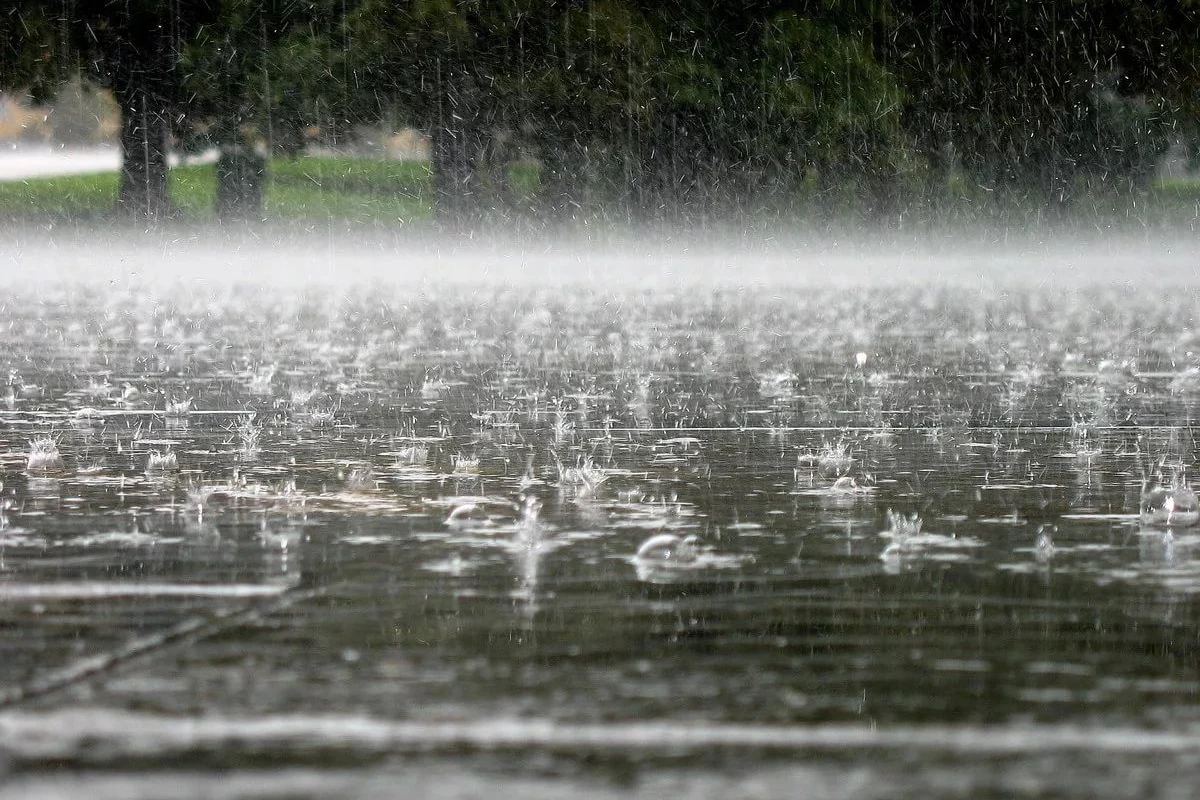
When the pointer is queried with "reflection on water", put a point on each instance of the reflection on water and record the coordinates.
(872, 510)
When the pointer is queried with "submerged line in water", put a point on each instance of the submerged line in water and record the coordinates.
(65, 734)
(189, 631)
(859, 429)
(92, 590)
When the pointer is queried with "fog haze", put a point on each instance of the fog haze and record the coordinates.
(694, 258)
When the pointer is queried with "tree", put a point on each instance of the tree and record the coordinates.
(702, 109)
(1039, 99)
(257, 77)
(137, 49)
(434, 64)
(129, 46)
(660, 109)
(828, 111)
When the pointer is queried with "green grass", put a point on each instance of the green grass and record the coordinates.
(302, 189)
(384, 193)
(192, 189)
(352, 175)
(366, 190)
(1177, 191)
(72, 196)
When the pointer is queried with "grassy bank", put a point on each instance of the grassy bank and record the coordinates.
(354, 191)
(299, 189)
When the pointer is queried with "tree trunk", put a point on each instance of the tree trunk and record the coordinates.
(240, 176)
(879, 179)
(935, 187)
(563, 178)
(454, 151)
(655, 185)
(144, 126)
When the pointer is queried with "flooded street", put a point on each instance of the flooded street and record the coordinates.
(431, 539)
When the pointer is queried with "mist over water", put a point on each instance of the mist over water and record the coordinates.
(717, 256)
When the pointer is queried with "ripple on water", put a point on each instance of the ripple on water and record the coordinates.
(371, 416)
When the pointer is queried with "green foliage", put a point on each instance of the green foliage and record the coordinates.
(648, 108)
(265, 72)
(35, 52)
(827, 104)
(1039, 99)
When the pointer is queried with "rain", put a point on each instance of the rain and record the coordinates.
(599, 399)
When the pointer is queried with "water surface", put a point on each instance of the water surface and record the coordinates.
(342, 539)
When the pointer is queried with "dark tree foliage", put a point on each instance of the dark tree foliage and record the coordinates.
(440, 65)
(258, 77)
(1043, 98)
(646, 109)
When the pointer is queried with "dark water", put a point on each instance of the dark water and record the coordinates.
(389, 547)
